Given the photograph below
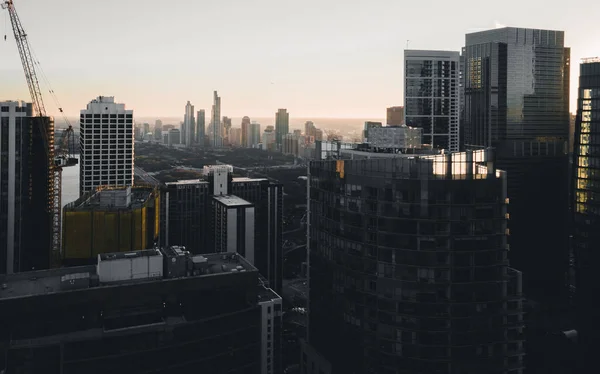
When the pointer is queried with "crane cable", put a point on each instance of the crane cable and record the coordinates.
(36, 61)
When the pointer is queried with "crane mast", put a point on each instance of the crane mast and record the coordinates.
(55, 162)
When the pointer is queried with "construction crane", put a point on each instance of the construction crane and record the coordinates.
(64, 156)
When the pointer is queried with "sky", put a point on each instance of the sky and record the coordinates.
(317, 58)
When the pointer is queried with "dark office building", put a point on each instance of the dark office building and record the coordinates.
(187, 218)
(408, 268)
(213, 315)
(516, 99)
(26, 188)
(586, 214)
(184, 215)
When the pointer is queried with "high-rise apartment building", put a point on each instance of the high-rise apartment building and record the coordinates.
(216, 131)
(26, 188)
(586, 214)
(226, 127)
(282, 126)
(106, 145)
(431, 96)
(408, 268)
(395, 116)
(200, 135)
(516, 87)
(269, 139)
(188, 129)
(245, 132)
(174, 137)
(235, 136)
(254, 135)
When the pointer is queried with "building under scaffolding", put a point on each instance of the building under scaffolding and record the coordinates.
(109, 219)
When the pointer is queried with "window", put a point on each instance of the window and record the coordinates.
(4, 109)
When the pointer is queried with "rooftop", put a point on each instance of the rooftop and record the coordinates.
(266, 294)
(35, 283)
(113, 198)
(232, 200)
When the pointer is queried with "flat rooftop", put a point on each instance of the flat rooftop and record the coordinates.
(35, 283)
(115, 197)
(246, 179)
(187, 182)
(266, 294)
(232, 200)
(134, 254)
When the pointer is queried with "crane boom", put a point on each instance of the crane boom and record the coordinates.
(26, 59)
(44, 126)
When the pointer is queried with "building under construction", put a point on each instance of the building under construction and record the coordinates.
(110, 219)
(26, 188)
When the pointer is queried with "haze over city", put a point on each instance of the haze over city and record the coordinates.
(317, 59)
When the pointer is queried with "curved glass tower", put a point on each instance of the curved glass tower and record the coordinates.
(408, 265)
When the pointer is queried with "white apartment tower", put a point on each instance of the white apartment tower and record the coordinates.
(107, 145)
(189, 126)
(431, 96)
(216, 133)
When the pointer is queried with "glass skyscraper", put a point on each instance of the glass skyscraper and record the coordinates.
(586, 212)
(516, 99)
(431, 96)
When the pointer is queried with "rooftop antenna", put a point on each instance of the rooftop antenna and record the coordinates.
(407, 41)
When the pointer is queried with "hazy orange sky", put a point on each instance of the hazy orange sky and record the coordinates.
(317, 58)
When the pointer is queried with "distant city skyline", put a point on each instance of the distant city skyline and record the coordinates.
(325, 60)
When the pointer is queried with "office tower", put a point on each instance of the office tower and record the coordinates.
(255, 134)
(368, 125)
(158, 124)
(187, 216)
(291, 144)
(146, 128)
(106, 145)
(189, 126)
(431, 96)
(200, 128)
(226, 127)
(114, 220)
(26, 188)
(318, 134)
(516, 84)
(408, 267)
(309, 128)
(269, 139)
(586, 213)
(158, 134)
(233, 225)
(246, 132)
(395, 116)
(165, 138)
(235, 137)
(282, 126)
(161, 311)
(174, 137)
(216, 136)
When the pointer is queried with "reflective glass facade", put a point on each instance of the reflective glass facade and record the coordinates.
(516, 85)
(431, 94)
(408, 269)
(516, 97)
(586, 209)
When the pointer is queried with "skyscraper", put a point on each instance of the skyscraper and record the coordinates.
(201, 127)
(408, 269)
(216, 136)
(282, 126)
(226, 127)
(255, 134)
(188, 129)
(26, 188)
(586, 213)
(431, 97)
(245, 132)
(516, 85)
(107, 145)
